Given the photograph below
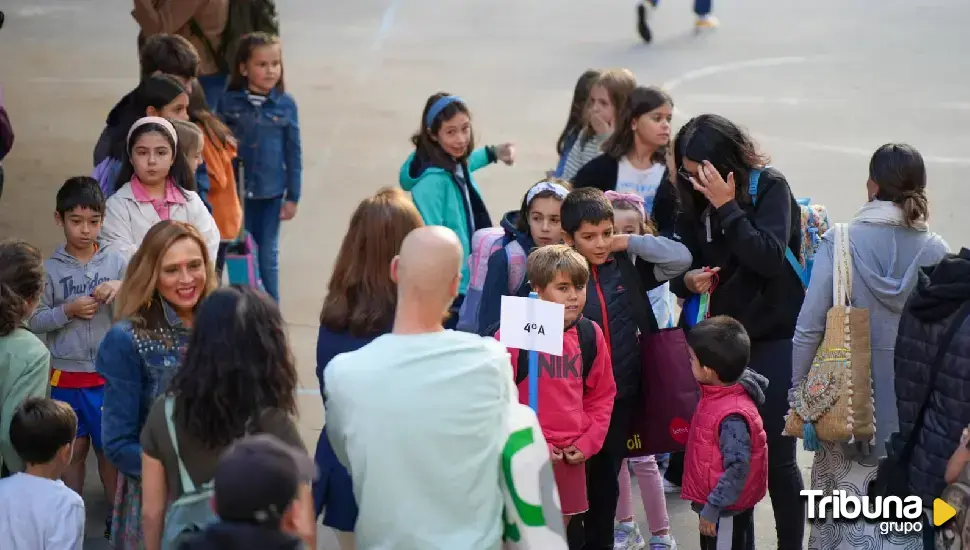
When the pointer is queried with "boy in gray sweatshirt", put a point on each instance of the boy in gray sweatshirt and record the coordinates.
(83, 278)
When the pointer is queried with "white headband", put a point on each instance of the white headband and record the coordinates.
(154, 120)
(546, 185)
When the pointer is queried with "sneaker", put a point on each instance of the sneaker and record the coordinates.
(706, 22)
(626, 536)
(642, 27)
(671, 488)
(662, 542)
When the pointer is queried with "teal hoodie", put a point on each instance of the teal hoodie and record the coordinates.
(441, 201)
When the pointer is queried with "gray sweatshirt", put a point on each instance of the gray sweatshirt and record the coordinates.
(74, 343)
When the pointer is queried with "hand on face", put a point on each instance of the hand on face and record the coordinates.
(710, 183)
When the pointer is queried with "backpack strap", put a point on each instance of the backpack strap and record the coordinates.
(522, 367)
(187, 486)
(642, 312)
(587, 347)
(803, 274)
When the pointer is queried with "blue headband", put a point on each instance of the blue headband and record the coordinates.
(439, 106)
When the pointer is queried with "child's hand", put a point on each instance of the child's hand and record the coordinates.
(699, 281)
(707, 528)
(555, 454)
(505, 153)
(288, 212)
(82, 307)
(965, 437)
(715, 189)
(106, 291)
(572, 455)
(620, 243)
(599, 125)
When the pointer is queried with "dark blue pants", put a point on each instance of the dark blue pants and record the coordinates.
(701, 7)
(263, 223)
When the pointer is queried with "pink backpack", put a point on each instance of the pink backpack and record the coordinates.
(486, 242)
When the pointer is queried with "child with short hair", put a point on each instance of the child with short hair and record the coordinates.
(726, 462)
(83, 277)
(36, 509)
(576, 389)
(587, 224)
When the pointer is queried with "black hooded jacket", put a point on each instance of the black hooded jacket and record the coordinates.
(242, 536)
(940, 292)
(117, 117)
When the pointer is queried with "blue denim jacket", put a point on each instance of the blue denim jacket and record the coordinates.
(269, 143)
(137, 365)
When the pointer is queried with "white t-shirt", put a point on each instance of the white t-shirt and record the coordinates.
(39, 514)
(419, 422)
(630, 179)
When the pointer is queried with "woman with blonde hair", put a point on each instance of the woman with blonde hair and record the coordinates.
(169, 274)
(358, 308)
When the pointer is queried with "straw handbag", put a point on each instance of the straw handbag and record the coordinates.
(834, 402)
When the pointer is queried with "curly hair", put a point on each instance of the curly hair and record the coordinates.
(21, 282)
(238, 366)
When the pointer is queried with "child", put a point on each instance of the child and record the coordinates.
(168, 54)
(263, 118)
(191, 143)
(218, 152)
(575, 398)
(439, 176)
(155, 183)
(534, 224)
(629, 218)
(576, 120)
(74, 314)
(587, 224)
(606, 97)
(726, 462)
(36, 509)
(702, 9)
(24, 359)
(157, 95)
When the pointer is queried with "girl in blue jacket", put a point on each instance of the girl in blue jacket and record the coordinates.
(439, 175)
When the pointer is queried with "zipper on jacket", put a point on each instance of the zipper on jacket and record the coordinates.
(602, 299)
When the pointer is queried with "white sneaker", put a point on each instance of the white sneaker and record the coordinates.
(626, 536)
(670, 488)
(662, 542)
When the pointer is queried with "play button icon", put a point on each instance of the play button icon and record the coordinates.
(942, 512)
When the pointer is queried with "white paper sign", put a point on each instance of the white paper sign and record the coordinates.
(532, 324)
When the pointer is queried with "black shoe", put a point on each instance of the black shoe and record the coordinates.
(642, 28)
(107, 528)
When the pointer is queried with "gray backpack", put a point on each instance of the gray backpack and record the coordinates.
(192, 512)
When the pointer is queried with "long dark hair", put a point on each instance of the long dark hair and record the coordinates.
(200, 114)
(21, 282)
(899, 171)
(641, 101)
(180, 171)
(238, 366)
(577, 110)
(725, 145)
(428, 150)
(155, 91)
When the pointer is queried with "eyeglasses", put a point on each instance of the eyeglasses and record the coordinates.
(682, 172)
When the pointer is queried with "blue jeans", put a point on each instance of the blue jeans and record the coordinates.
(214, 85)
(701, 7)
(263, 223)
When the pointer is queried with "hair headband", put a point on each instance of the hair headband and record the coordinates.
(439, 106)
(632, 198)
(546, 185)
(153, 120)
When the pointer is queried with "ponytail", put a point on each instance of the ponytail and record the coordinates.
(915, 207)
(21, 282)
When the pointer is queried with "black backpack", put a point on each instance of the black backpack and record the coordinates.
(245, 16)
(587, 346)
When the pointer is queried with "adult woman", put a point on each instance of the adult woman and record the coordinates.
(358, 308)
(743, 241)
(238, 377)
(168, 276)
(889, 242)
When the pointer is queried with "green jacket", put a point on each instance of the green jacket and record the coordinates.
(441, 202)
(24, 372)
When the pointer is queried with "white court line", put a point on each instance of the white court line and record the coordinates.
(719, 68)
(40, 11)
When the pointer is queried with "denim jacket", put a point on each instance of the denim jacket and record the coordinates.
(137, 365)
(269, 143)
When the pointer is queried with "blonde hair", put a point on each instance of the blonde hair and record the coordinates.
(137, 299)
(619, 83)
(548, 261)
(190, 137)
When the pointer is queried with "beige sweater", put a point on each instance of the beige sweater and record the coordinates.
(172, 17)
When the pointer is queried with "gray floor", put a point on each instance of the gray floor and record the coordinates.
(821, 84)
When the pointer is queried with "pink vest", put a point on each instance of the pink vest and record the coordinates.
(704, 465)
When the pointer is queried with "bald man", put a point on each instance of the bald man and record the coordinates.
(417, 415)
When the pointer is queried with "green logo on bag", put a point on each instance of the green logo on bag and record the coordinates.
(530, 514)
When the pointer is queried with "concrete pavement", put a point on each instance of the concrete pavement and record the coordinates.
(821, 84)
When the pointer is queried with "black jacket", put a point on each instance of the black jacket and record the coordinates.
(120, 118)
(602, 173)
(756, 284)
(242, 536)
(497, 276)
(940, 291)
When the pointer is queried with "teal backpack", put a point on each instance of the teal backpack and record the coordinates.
(192, 512)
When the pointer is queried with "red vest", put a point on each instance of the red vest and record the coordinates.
(703, 464)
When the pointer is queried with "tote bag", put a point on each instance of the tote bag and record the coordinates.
(670, 392)
(835, 402)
